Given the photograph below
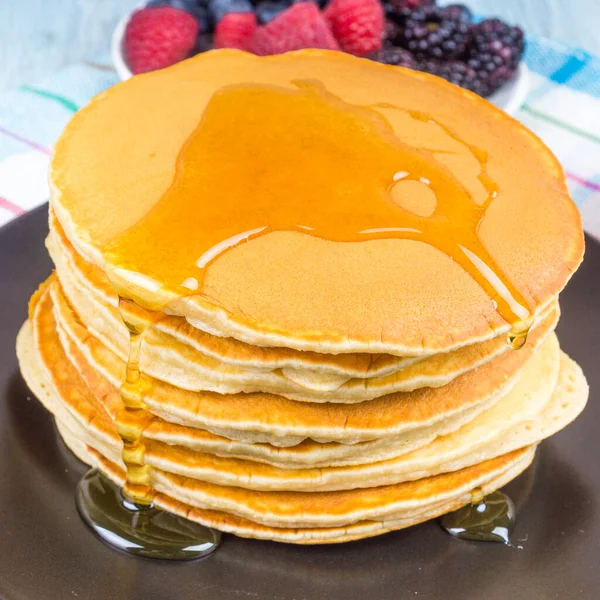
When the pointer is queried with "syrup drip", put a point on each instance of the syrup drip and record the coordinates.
(135, 416)
(127, 518)
(230, 187)
(486, 519)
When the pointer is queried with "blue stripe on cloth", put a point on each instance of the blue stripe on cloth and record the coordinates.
(562, 75)
(545, 57)
(563, 64)
(571, 66)
(587, 80)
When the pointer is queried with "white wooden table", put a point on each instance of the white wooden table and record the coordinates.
(38, 36)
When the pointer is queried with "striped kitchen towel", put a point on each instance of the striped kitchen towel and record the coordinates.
(563, 108)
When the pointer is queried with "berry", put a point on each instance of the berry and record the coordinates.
(490, 76)
(399, 10)
(234, 30)
(395, 56)
(203, 43)
(219, 8)
(197, 10)
(320, 3)
(203, 18)
(496, 41)
(267, 11)
(494, 54)
(431, 32)
(358, 25)
(157, 37)
(461, 73)
(300, 26)
(454, 71)
(391, 33)
(457, 12)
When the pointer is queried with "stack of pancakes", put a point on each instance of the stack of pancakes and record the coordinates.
(303, 389)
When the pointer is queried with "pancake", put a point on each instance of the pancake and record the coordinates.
(540, 402)
(571, 389)
(283, 310)
(92, 282)
(164, 357)
(498, 430)
(427, 504)
(293, 289)
(286, 422)
(330, 535)
(513, 422)
(53, 359)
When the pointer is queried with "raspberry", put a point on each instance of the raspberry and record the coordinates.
(432, 32)
(300, 26)
(158, 37)
(198, 10)
(395, 56)
(358, 25)
(234, 30)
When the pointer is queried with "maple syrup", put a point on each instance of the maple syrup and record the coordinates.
(140, 530)
(488, 518)
(267, 158)
(127, 518)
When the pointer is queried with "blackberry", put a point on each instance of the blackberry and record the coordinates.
(204, 42)
(454, 71)
(390, 34)
(457, 12)
(495, 41)
(319, 3)
(461, 73)
(431, 32)
(494, 53)
(399, 10)
(492, 80)
(395, 56)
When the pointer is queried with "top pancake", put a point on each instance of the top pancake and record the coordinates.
(117, 158)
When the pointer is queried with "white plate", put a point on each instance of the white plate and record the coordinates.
(509, 98)
(117, 51)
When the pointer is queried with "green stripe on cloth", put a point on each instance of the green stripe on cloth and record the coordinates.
(561, 124)
(68, 104)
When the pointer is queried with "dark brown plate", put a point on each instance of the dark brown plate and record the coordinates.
(47, 553)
